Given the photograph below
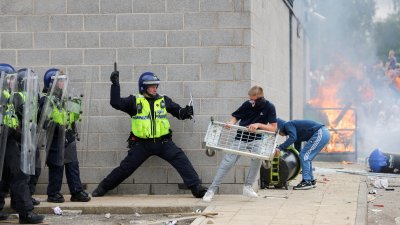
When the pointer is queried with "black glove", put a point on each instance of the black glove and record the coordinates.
(115, 77)
(69, 136)
(187, 112)
(131, 140)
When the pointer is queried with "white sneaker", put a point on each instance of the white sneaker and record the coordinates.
(249, 192)
(208, 196)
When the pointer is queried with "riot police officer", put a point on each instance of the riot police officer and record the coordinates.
(61, 150)
(150, 133)
(14, 179)
(22, 73)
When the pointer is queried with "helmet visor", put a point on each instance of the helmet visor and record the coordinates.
(148, 82)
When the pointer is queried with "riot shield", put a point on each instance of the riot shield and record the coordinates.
(78, 107)
(29, 122)
(8, 87)
(74, 110)
(53, 120)
(2, 127)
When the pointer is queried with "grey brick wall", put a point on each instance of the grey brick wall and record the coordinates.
(215, 50)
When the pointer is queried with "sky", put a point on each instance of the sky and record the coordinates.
(383, 8)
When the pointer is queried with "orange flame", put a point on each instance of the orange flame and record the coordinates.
(341, 118)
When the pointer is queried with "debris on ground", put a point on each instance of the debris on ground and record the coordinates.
(57, 211)
(380, 182)
(372, 192)
(72, 212)
(107, 215)
(276, 197)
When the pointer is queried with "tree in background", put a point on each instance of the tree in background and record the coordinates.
(345, 33)
(387, 33)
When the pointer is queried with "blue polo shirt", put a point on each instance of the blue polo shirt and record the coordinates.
(246, 114)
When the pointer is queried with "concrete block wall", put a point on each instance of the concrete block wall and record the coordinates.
(214, 50)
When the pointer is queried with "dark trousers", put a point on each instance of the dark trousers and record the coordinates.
(56, 176)
(56, 172)
(141, 151)
(34, 178)
(14, 180)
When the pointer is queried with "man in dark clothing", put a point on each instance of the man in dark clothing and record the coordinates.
(256, 113)
(150, 134)
(316, 137)
(13, 178)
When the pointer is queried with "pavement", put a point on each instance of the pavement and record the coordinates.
(339, 198)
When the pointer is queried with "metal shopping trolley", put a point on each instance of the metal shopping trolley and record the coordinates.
(239, 140)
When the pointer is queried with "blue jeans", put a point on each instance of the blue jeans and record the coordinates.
(316, 143)
(229, 160)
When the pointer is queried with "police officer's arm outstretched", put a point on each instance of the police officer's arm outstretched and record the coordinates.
(151, 133)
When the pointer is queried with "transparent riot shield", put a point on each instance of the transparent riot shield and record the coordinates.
(78, 107)
(3, 103)
(75, 111)
(53, 120)
(8, 115)
(29, 122)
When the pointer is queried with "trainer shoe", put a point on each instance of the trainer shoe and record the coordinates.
(249, 192)
(208, 196)
(314, 183)
(303, 185)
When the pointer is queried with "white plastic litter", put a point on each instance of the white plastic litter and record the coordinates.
(381, 183)
(171, 222)
(137, 214)
(397, 220)
(107, 215)
(57, 210)
(136, 222)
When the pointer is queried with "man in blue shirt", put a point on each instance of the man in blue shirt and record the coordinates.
(315, 135)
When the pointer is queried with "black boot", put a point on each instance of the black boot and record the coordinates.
(99, 191)
(80, 197)
(57, 198)
(31, 218)
(198, 191)
(35, 202)
(3, 215)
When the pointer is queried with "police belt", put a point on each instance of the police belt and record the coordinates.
(166, 137)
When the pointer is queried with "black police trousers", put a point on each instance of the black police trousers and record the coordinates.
(34, 178)
(141, 151)
(72, 173)
(14, 180)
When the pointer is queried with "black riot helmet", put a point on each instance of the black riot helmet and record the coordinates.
(21, 78)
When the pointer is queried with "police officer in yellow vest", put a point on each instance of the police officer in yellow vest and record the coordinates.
(151, 134)
(56, 158)
(13, 178)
